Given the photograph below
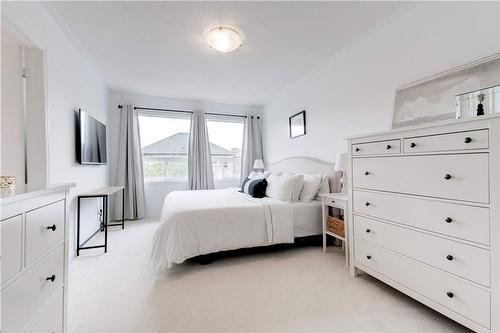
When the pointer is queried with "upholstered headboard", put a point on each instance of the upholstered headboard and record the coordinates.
(309, 165)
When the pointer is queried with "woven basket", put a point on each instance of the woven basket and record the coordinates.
(336, 226)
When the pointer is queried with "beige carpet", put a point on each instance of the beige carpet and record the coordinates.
(292, 290)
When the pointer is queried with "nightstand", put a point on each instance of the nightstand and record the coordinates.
(332, 202)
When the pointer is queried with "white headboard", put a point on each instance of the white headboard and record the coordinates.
(309, 165)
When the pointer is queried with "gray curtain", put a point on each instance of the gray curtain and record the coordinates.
(252, 144)
(129, 167)
(200, 174)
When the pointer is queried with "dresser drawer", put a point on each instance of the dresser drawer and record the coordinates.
(466, 261)
(389, 147)
(12, 244)
(461, 221)
(461, 177)
(51, 318)
(447, 142)
(27, 295)
(44, 230)
(468, 300)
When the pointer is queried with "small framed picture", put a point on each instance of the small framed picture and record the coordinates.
(297, 124)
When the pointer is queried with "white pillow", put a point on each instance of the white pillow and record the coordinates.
(324, 185)
(266, 174)
(297, 189)
(311, 187)
(285, 187)
(272, 186)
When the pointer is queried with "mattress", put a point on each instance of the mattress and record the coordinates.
(307, 218)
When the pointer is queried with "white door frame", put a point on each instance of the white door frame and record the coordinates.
(30, 40)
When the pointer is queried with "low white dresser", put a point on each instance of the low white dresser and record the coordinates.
(34, 260)
(425, 215)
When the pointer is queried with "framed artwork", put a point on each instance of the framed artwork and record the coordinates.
(438, 97)
(297, 124)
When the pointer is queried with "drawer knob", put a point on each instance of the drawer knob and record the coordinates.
(367, 203)
(368, 231)
(450, 294)
(468, 140)
(367, 173)
(413, 145)
(368, 257)
(357, 149)
(447, 176)
(51, 278)
(52, 227)
(449, 257)
(449, 220)
(388, 147)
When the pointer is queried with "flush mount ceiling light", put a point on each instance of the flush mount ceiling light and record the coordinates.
(224, 39)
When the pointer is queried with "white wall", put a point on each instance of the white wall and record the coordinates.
(12, 126)
(71, 84)
(156, 191)
(353, 92)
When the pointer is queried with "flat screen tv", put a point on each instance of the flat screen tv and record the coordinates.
(91, 140)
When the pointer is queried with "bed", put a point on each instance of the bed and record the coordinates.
(202, 222)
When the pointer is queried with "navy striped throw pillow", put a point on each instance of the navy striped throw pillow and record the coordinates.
(256, 188)
(243, 183)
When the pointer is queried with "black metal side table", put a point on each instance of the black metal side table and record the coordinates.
(103, 193)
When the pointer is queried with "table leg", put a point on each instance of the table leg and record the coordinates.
(346, 255)
(123, 208)
(346, 237)
(78, 228)
(324, 213)
(347, 232)
(105, 219)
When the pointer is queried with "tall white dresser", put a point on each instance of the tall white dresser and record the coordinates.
(34, 260)
(425, 215)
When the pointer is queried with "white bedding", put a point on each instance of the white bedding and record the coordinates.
(307, 218)
(202, 222)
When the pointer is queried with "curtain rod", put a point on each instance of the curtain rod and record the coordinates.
(185, 111)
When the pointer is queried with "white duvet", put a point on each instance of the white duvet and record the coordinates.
(202, 222)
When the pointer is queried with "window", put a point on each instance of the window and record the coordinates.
(164, 142)
(226, 141)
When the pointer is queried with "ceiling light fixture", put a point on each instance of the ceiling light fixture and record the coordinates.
(224, 39)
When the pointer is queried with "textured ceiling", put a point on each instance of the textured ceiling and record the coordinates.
(158, 48)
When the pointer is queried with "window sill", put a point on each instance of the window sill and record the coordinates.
(178, 181)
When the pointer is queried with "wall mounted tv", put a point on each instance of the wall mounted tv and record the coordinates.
(91, 140)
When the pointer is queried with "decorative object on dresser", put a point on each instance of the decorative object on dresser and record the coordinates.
(334, 222)
(424, 215)
(297, 124)
(435, 98)
(341, 165)
(7, 183)
(34, 260)
(475, 103)
(103, 193)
